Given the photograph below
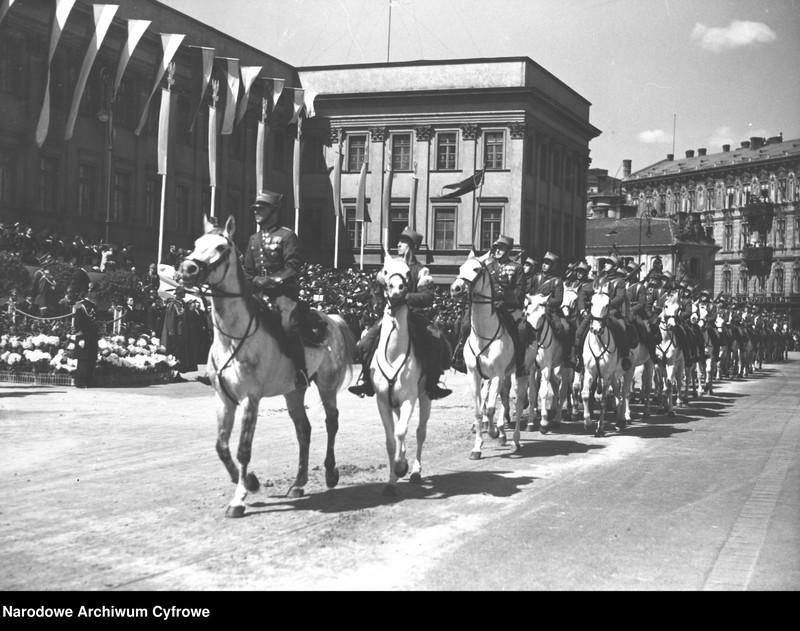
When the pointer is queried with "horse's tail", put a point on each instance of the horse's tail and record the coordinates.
(344, 353)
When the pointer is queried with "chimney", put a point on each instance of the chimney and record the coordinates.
(745, 144)
(670, 157)
(690, 153)
(701, 151)
(726, 148)
(626, 168)
(775, 139)
(756, 142)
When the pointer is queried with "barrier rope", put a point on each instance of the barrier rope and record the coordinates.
(66, 315)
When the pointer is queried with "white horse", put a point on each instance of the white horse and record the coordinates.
(396, 372)
(701, 315)
(640, 358)
(488, 351)
(670, 364)
(246, 362)
(602, 363)
(549, 358)
(571, 379)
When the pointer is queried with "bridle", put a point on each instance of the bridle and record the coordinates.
(478, 298)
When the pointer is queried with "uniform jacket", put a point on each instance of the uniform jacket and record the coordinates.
(84, 323)
(584, 289)
(418, 297)
(549, 285)
(637, 297)
(509, 282)
(615, 286)
(273, 253)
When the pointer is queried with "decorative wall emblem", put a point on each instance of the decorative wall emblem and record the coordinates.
(424, 133)
(378, 134)
(470, 132)
(516, 130)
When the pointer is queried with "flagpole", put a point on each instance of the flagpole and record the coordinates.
(164, 135)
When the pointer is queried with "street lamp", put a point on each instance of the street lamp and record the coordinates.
(106, 115)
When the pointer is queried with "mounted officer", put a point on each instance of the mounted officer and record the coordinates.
(641, 308)
(584, 289)
(427, 339)
(548, 283)
(670, 286)
(611, 280)
(271, 265)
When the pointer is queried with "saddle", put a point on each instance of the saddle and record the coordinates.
(313, 327)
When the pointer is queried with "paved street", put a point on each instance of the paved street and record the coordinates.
(121, 489)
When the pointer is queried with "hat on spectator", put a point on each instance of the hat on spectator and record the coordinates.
(506, 242)
(551, 257)
(80, 282)
(413, 238)
(266, 198)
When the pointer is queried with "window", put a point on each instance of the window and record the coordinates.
(48, 177)
(153, 114)
(8, 169)
(152, 201)
(356, 150)
(778, 286)
(727, 238)
(780, 231)
(398, 220)
(491, 223)
(353, 227)
(181, 219)
(694, 267)
(87, 190)
(401, 152)
(742, 286)
(446, 151)
(727, 281)
(493, 150)
(444, 229)
(744, 236)
(121, 197)
(11, 66)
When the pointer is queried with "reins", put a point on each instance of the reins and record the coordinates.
(484, 299)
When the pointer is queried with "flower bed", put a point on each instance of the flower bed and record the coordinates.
(49, 360)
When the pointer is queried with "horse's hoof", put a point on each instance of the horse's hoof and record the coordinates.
(234, 511)
(475, 455)
(543, 429)
(295, 492)
(517, 448)
(531, 427)
(251, 483)
(502, 441)
(401, 468)
(390, 490)
(671, 413)
(621, 426)
(332, 477)
(416, 478)
(599, 434)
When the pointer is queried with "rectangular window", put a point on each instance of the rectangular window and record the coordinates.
(491, 224)
(181, 220)
(398, 222)
(401, 152)
(493, 150)
(353, 228)
(87, 190)
(446, 151)
(8, 170)
(121, 197)
(727, 237)
(152, 201)
(444, 229)
(48, 178)
(356, 149)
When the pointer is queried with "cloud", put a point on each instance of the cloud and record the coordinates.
(737, 35)
(651, 136)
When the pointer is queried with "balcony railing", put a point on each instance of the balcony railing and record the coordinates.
(757, 253)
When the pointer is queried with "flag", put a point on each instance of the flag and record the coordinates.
(136, 29)
(465, 186)
(299, 102)
(277, 89)
(337, 179)
(163, 132)
(249, 74)
(362, 214)
(202, 65)
(170, 43)
(308, 103)
(412, 211)
(231, 95)
(260, 155)
(296, 174)
(103, 14)
(212, 145)
(387, 191)
(63, 8)
(5, 5)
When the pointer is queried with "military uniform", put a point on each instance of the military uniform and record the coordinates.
(548, 283)
(85, 331)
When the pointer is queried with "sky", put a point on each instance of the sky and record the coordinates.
(713, 71)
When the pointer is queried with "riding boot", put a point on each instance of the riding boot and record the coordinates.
(365, 387)
(457, 359)
(298, 353)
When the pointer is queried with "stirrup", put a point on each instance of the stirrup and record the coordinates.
(301, 379)
(361, 390)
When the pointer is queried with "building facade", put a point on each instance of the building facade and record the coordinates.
(747, 200)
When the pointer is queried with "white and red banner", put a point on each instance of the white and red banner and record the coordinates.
(231, 95)
(249, 74)
(136, 29)
(170, 42)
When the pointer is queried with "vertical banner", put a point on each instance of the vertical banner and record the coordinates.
(231, 95)
(170, 43)
(296, 175)
(260, 139)
(103, 14)
(213, 130)
(412, 210)
(136, 29)
(386, 205)
(337, 195)
(163, 132)
(249, 74)
(63, 8)
(362, 215)
(5, 5)
(308, 103)
(202, 65)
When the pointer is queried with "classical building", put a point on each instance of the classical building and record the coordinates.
(433, 123)
(747, 200)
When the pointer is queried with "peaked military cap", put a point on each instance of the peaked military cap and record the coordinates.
(266, 198)
(507, 242)
(551, 257)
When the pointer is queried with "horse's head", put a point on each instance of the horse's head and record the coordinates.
(469, 272)
(672, 306)
(206, 264)
(536, 310)
(569, 302)
(395, 274)
(598, 311)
